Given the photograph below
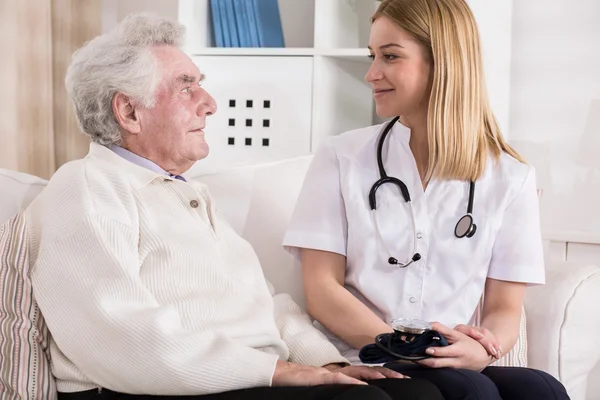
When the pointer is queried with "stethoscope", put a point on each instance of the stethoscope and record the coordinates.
(465, 227)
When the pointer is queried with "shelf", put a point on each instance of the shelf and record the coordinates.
(253, 51)
(344, 53)
(572, 237)
(284, 51)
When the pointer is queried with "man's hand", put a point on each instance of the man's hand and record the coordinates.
(288, 374)
(463, 351)
(484, 336)
(365, 373)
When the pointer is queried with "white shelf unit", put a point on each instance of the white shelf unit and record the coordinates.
(328, 40)
(359, 54)
(311, 24)
(315, 84)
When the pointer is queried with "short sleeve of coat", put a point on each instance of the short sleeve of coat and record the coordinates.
(319, 218)
(518, 254)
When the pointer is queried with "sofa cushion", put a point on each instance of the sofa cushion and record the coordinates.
(16, 192)
(566, 334)
(258, 202)
(24, 353)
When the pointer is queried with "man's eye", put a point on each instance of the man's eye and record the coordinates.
(186, 90)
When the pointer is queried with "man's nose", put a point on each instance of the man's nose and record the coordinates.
(207, 104)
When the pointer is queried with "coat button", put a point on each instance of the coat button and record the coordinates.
(419, 235)
(194, 204)
(412, 300)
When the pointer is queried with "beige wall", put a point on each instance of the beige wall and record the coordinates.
(26, 139)
(38, 132)
(73, 23)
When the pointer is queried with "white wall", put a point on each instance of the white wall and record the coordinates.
(554, 78)
(494, 24)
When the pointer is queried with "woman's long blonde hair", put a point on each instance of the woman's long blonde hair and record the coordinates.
(462, 130)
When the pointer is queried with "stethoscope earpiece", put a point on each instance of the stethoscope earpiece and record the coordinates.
(394, 261)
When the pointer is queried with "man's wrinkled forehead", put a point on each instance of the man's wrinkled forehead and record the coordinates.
(176, 66)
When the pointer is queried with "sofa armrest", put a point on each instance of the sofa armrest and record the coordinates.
(563, 322)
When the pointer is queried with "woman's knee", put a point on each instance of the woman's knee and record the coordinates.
(365, 392)
(409, 389)
(465, 384)
(526, 383)
(454, 384)
(426, 390)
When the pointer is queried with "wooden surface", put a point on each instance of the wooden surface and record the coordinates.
(73, 23)
(38, 130)
(26, 132)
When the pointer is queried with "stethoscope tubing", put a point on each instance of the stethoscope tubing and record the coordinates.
(461, 229)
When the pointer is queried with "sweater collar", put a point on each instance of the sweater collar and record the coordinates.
(138, 160)
(139, 175)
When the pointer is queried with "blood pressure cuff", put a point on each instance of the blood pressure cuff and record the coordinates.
(400, 346)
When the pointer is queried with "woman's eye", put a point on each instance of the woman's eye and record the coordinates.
(389, 57)
(186, 90)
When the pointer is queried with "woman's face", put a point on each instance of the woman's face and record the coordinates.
(401, 72)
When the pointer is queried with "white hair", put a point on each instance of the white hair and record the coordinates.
(120, 61)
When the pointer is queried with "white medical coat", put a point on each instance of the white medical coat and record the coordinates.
(446, 284)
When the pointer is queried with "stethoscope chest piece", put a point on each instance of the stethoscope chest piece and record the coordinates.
(465, 227)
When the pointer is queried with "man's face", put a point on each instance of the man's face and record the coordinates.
(172, 132)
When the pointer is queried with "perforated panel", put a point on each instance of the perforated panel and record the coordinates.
(264, 109)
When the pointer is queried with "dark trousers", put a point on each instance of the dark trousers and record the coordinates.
(383, 389)
(493, 383)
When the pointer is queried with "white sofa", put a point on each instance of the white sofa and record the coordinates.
(562, 321)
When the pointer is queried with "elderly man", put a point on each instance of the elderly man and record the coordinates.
(146, 290)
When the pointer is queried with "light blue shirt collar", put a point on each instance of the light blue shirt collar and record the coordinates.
(140, 161)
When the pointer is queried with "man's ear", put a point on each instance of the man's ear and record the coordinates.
(125, 113)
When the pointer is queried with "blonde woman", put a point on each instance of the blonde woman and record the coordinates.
(419, 217)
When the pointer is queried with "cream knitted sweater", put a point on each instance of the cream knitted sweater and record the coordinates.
(147, 290)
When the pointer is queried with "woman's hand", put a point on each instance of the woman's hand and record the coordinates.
(484, 336)
(463, 351)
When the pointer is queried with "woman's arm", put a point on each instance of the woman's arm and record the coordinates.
(502, 311)
(329, 302)
(517, 260)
